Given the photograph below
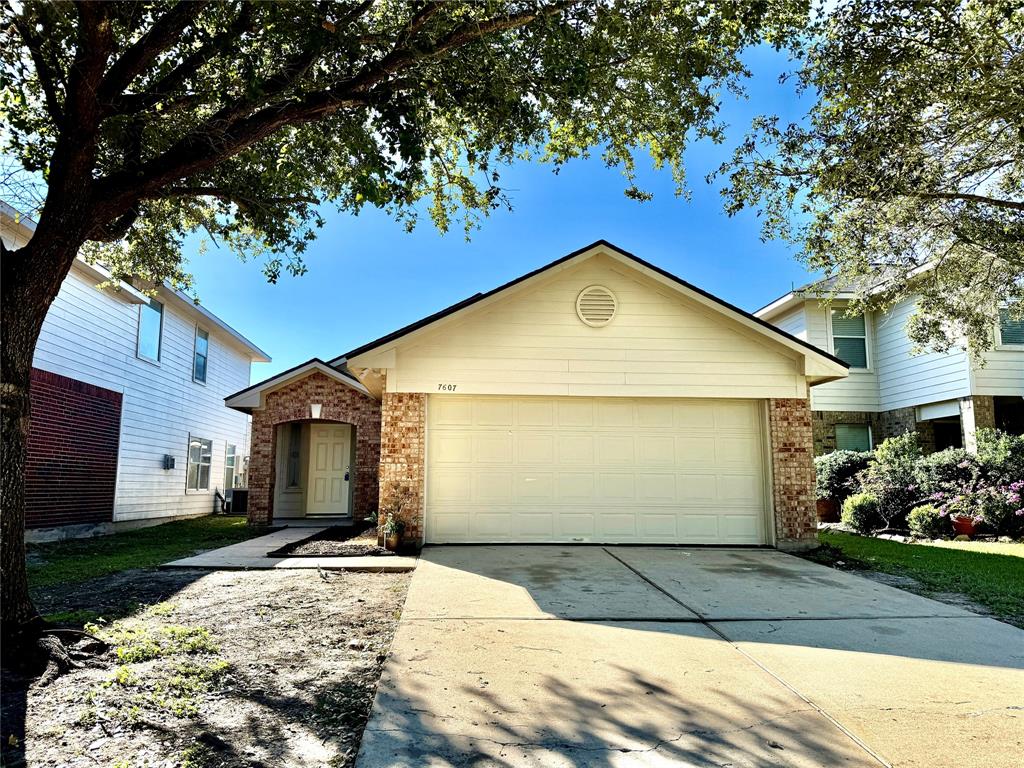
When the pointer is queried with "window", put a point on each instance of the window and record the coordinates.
(151, 326)
(849, 339)
(294, 451)
(853, 437)
(229, 467)
(201, 355)
(1010, 331)
(200, 455)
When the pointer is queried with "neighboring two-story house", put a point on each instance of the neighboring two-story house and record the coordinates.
(946, 397)
(128, 422)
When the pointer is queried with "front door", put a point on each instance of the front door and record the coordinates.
(330, 448)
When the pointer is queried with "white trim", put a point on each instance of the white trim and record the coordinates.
(768, 467)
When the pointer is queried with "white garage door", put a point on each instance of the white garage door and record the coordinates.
(580, 469)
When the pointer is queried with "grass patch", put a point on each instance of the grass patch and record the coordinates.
(991, 575)
(77, 560)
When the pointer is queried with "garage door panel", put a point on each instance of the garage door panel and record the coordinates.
(575, 449)
(616, 450)
(580, 469)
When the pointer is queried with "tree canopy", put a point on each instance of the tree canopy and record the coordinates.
(907, 174)
(240, 118)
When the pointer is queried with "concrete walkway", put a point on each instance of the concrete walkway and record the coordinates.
(252, 555)
(620, 656)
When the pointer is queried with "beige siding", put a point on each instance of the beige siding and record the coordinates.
(859, 390)
(1002, 373)
(658, 345)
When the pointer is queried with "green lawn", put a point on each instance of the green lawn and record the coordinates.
(989, 574)
(76, 560)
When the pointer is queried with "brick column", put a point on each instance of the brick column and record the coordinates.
(796, 522)
(261, 469)
(403, 428)
(976, 412)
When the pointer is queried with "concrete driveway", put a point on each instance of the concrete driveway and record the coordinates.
(628, 656)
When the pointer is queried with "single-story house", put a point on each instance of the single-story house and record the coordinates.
(598, 399)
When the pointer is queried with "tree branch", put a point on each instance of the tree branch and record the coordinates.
(1012, 205)
(164, 32)
(48, 75)
(243, 202)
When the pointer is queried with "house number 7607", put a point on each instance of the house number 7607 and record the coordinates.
(445, 387)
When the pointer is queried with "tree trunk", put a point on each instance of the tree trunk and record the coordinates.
(30, 280)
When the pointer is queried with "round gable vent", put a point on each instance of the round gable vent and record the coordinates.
(596, 305)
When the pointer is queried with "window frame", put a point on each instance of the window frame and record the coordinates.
(865, 425)
(868, 350)
(195, 356)
(199, 464)
(230, 452)
(160, 332)
(1000, 344)
(294, 452)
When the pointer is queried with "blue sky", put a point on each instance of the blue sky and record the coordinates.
(367, 276)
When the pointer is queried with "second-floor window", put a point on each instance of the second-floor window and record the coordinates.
(201, 356)
(1010, 331)
(151, 324)
(850, 338)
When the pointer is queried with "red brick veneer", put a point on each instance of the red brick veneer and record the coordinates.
(403, 452)
(73, 439)
(340, 403)
(792, 442)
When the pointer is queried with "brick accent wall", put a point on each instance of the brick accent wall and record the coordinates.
(339, 403)
(73, 440)
(824, 427)
(792, 445)
(403, 453)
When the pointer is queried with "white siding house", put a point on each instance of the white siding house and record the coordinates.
(945, 396)
(171, 401)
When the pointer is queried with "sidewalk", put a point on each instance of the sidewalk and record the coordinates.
(252, 555)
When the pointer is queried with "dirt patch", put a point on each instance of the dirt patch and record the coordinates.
(257, 668)
(335, 542)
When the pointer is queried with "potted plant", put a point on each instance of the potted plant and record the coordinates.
(393, 530)
(964, 525)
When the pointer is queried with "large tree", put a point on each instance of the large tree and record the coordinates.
(906, 176)
(148, 120)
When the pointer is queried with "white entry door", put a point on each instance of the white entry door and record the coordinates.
(330, 448)
(589, 469)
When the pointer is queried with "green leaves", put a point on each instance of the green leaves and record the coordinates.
(255, 115)
(907, 175)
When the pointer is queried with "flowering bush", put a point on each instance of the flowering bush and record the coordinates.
(890, 478)
(999, 507)
(941, 470)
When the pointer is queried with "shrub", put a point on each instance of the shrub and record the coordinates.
(1001, 455)
(945, 470)
(836, 472)
(890, 478)
(928, 522)
(861, 512)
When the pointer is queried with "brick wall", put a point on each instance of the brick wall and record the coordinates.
(824, 427)
(339, 403)
(403, 453)
(792, 446)
(71, 466)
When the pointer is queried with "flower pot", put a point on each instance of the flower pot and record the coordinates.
(964, 526)
(828, 510)
(393, 541)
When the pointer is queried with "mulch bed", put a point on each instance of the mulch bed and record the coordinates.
(337, 541)
(294, 659)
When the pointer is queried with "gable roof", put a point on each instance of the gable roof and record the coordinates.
(246, 399)
(746, 318)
